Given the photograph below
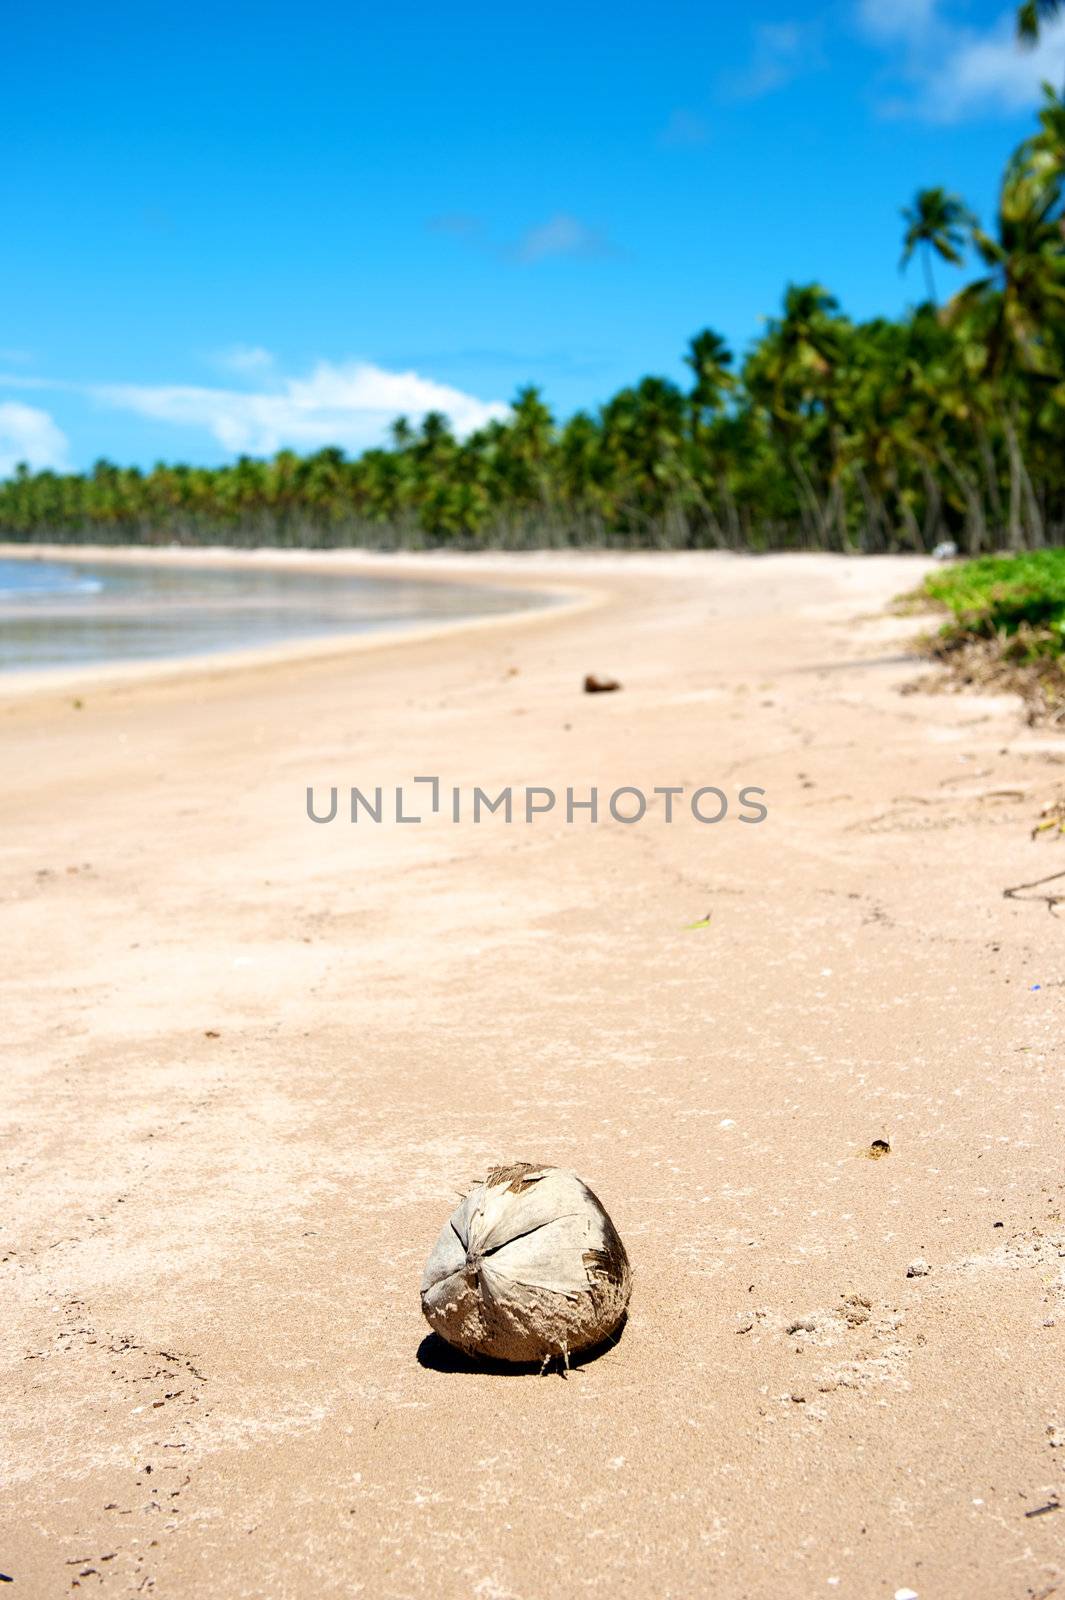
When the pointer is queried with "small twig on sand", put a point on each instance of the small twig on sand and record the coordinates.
(1051, 900)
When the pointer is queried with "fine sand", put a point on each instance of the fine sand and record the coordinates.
(252, 1061)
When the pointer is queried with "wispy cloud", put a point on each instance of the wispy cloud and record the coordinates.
(22, 380)
(249, 360)
(995, 72)
(782, 52)
(947, 72)
(897, 19)
(562, 235)
(29, 434)
(685, 130)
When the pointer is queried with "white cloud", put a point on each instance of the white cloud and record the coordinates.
(249, 359)
(350, 405)
(897, 19)
(561, 235)
(28, 434)
(782, 51)
(995, 72)
(949, 72)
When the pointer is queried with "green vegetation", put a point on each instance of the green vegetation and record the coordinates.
(1031, 16)
(1006, 631)
(940, 224)
(1006, 598)
(830, 434)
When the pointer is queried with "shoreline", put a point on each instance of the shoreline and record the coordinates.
(572, 581)
(19, 684)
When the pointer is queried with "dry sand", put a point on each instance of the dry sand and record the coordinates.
(252, 1061)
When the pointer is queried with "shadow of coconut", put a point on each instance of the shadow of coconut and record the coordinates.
(436, 1355)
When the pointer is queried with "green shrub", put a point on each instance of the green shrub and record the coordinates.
(1006, 596)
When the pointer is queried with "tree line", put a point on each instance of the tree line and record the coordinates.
(946, 424)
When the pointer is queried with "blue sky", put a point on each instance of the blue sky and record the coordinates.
(244, 226)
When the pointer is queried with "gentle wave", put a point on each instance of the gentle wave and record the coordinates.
(51, 591)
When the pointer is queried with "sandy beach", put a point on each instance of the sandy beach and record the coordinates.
(252, 1061)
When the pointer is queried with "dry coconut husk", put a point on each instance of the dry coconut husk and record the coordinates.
(529, 1266)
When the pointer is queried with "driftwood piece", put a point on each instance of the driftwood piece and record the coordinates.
(1049, 900)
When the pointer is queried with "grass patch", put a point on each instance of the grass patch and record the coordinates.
(1017, 600)
(1006, 630)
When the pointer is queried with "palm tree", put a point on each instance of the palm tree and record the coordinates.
(709, 358)
(1032, 14)
(938, 222)
(1010, 318)
(1024, 294)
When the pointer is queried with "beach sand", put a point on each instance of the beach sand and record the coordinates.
(251, 1062)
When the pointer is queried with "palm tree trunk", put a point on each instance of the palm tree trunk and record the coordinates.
(975, 524)
(913, 527)
(839, 515)
(1036, 534)
(929, 278)
(987, 457)
(810, 500)
(1015, 531)
(933, 500)
(876, 518)
(732, 517)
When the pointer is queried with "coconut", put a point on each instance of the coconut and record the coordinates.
(527, 1267)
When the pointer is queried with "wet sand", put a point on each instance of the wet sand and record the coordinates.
(251, 1061)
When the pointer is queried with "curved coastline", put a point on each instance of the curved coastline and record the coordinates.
(557, 597)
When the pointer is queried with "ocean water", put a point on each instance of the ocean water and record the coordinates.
(65, 613)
